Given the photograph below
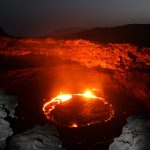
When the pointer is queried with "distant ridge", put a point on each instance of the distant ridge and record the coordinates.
(138, 34)
(3, 33)
(64, 31)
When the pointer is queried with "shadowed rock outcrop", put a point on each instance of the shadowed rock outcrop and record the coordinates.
(7, 109)
(135, 135)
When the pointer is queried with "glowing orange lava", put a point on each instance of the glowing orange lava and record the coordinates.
(50, 105)
(61, 98)
(74, 125)
(64, 97)
(88, 94)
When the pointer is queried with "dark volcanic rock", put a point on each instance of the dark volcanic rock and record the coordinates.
(38, 138)
(135, 135)
(138, 34)
(2, 32)
(5, 131)
(7, 105)
(7, 109)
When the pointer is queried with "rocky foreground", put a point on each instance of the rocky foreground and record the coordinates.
(134, 136)
(38, 138)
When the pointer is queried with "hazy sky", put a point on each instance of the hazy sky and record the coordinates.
(35, 17)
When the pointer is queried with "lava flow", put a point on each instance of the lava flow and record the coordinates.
(76, 110)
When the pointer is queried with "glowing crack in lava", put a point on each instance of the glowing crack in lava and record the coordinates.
(77, 110)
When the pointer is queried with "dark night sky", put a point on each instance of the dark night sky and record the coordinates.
(37, 17)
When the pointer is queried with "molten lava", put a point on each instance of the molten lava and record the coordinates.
(88, 94)
(64, 97)
(75, 111)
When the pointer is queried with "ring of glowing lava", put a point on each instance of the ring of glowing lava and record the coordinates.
(77, 110)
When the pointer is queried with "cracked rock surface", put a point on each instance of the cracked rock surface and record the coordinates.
(135, 135)
(37, 138)
(7, 109)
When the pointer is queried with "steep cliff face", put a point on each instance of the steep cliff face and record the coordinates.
(126, 64)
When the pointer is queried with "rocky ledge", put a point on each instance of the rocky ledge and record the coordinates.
(135, 135)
